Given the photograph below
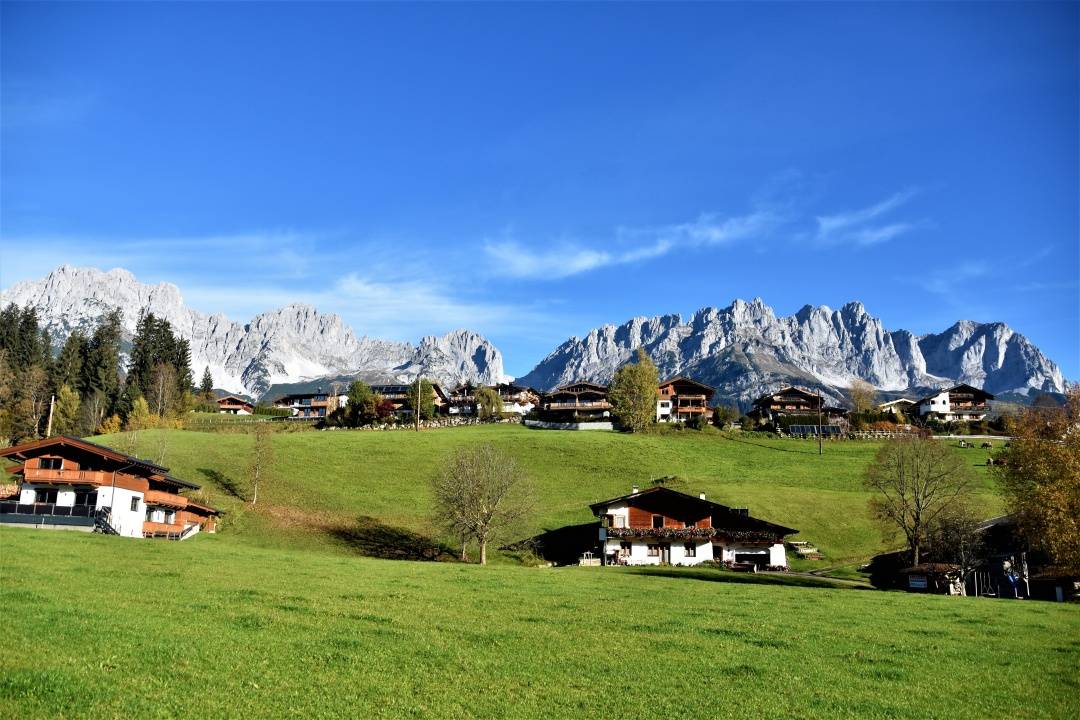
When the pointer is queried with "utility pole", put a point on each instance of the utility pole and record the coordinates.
(419, 385)
(48, 426)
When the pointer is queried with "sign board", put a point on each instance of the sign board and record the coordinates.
(917, 582)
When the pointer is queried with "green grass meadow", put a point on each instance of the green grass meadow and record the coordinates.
(285, 613)
(352, 479)
(103, 627)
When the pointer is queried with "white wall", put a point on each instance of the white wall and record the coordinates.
(639, 551)
(126, 521)
(778, 555)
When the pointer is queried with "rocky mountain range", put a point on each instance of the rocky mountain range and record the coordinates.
(292, 344)
(745, 350)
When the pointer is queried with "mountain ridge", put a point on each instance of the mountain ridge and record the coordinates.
(293, 343)
(745, 350)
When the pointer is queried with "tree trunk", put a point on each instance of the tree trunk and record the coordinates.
(483, 552)
(464, 548)
(915, 553)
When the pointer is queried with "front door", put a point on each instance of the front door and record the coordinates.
(665, 553)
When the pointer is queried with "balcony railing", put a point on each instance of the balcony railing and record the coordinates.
(601, 404)
(157, 497)
(67, 477)
(86, 511)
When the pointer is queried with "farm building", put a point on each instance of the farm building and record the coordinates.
(71, 484)
(659, 525)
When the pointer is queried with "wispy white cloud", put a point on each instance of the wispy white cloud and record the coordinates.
(631, 245)
(244, 274)
(948, 281)
(860, 227)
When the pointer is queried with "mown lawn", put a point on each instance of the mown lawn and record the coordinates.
(330, 479)
(102, 627)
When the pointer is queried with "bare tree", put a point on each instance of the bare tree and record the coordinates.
(261, 457)
(862, 395)
(479, 493)
(957, 537)
(916, 480)
(162, 389)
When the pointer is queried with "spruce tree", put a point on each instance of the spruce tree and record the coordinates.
(206, 387)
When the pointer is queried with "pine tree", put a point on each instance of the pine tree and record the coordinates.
(68, 367)
(101, 369)
(206, 387)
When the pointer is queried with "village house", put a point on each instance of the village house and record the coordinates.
(517, 399)
(898, 407)
(71, 484)
(793, 402)
(461, 400)
(962, 403)
(660, 525)
(681, 399)
(398, 395)
(233, 405)
(575, 402)
(314, 405)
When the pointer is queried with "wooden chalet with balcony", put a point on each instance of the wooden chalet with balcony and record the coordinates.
(789, 401)
(576, 402)
(659, 525)
(962, 403)
(68, 483)
(461, 401)
(306, 406)
(681, 399)
(517, 399)
(234, 405)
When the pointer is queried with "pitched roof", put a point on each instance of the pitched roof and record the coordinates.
(106, 452)
(709, 504)
(962, 387)
(589, 385)
(787, 391)
(683, 378)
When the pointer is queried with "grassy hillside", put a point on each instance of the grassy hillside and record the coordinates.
(108, 627)
(365, 489)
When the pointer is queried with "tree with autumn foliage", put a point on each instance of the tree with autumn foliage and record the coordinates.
(1041, 479)
(633, 393)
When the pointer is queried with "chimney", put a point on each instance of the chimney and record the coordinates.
(701, 496)
(634, 490)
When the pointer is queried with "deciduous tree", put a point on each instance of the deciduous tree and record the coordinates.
(66, 411)
(426, 399)
(1041, 479)
(479, 493)
(862, 395)
(488, 403)
(633, 392)
(915, 481)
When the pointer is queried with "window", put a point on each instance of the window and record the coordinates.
(134, 504)
(620, 521)
(654, 551)
(149, 514)
(690, 550)
(51, 463)
(658, 521)
(45, 495)
(86, 497)
(626, 548)
(170, 517)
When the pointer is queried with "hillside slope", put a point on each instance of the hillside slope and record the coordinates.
(355, 489)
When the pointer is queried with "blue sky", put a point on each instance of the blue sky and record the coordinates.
(532, 171)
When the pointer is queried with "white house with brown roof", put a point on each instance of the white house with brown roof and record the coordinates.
(962, 403)
(659, 525)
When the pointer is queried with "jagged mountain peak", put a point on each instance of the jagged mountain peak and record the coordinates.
(745, 350)
(287, 344)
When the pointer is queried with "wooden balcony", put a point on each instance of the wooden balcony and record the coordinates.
(152, 529)
(157, 497)
(67, 477)
(598, 405)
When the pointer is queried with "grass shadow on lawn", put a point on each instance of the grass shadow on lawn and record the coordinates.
(226, 483)
(727, 576)
(372, 538)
